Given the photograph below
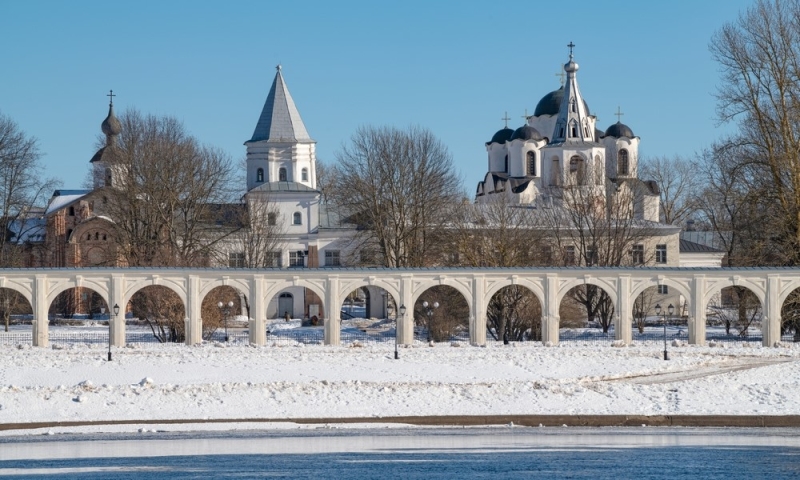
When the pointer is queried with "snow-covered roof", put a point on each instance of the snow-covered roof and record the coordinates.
(62, 198)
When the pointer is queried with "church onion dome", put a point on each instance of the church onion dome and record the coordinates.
(550, 103)
(526, 132)
(111, 125)
(619, 130)
(502, 136)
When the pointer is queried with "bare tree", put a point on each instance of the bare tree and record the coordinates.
(22, 187)
(165, 193)
(759, 57)
(599, 225)
(678, 183)
(396, 186)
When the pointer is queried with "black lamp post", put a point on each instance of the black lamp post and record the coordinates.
(429, 310)
(226, 310)
(670, 310)
(116, 312)
(397, 330)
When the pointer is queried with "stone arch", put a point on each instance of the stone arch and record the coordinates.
(446, 321)
(787, 290)
(64, 285)
(317, 291)
(23, 289)
(734, 311)
(77, 300)
(573, 313)
(213, 316)
(680, 287)
(173, 285)
(13, 302)
(423, 286)
(790, 314)
(514, 313)
(713, 288)
(373, 306)
(534, 287)
(162, 308)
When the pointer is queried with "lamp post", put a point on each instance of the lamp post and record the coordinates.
(225, 308)
(397, 330)
(670, 310)
(116, 312)
(429, 311)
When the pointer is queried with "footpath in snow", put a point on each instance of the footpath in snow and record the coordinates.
(222, 381)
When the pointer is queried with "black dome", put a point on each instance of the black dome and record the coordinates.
(502, 136)
(598, 134)
(619, 130)
(550, 103)
(526, 132)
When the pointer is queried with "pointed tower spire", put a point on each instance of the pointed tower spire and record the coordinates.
(573, 124)
(280, 121)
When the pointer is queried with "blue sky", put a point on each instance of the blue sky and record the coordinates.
(453, 67)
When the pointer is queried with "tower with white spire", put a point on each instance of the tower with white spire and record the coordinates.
(280, 149)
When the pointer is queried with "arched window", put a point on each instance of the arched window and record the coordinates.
(531, 164)
(282, 175)
(260, 175)
(555, 172)
(97, 235)
(573, 106)
(505, 165)
(577, 168)
(88, 236)
(304, 174)
(71, 211)
(297, 219)
(622, 162)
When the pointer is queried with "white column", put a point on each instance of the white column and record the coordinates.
(771, 322)
(622, 319)
(117, 323)
(194, 327)
(257, 324)
(405, 328)
(550, 317)
(477, 328)
(697, 319)
(40, 307)
(333, 324)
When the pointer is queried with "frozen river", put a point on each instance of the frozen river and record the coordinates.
(505, 452)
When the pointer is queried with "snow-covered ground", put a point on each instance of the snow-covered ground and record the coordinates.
(214, 380)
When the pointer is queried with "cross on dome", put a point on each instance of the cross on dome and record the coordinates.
(561, 76)
(571, 46)
(619, 114)
(111, 98)
(506, 119)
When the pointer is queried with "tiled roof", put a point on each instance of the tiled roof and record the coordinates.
(691, 247)
(280, 121)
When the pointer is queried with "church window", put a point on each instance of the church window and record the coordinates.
(108, 177)
(622, 162)
(531, 164)
(272, 219)
(236, 259)
(661, 254)
(71, 211)
(97, 235)
(555, 172)
(569, 256)
(260, 175)
(304, 174)
(296, 259)
(88, 236)
(297, 219)
(573, 106)
(561, 132)
(637, 254)
(574, 132)
(274, 260)
(282, 175)
(577, 168)
(505, 165)
(104, 236)
(332, 258)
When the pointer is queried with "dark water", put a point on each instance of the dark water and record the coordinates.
(412, 454)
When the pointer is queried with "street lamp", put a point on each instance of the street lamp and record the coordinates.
(429, 310)
(397, 331)
(116, 312)
(670, 310)
(225, 308)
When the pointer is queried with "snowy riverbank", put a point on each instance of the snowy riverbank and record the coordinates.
(154, 382)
